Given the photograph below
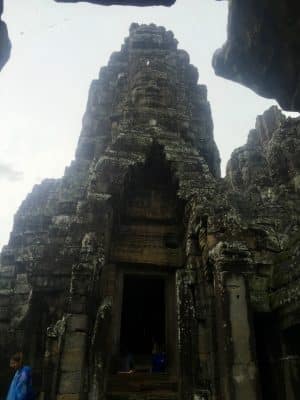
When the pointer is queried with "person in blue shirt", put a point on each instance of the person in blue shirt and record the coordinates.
(158, 358)
(21, 385)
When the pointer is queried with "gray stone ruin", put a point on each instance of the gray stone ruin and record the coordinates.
(142, 247)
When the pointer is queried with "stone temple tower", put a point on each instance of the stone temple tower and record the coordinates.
(141, 250)
(108, 239)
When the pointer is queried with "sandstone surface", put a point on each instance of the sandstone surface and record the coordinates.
(142, 202)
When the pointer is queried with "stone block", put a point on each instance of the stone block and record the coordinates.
(5, 292)
(75, 340)
(7, 271)
(21, 278)
(4, 313)
(80, 286)
(78, 308)
(7, 256)
(70, 382)
(5, 284)
(77, 322)
(22, 288)
(68, 396)
(78, 304)
(4, 301)
(72, 360)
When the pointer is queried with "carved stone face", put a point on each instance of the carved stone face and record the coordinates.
(153, 94)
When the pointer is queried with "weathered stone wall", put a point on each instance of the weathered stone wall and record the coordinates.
(267, 170)
(146, 101)
(145, 191)
(264, 177)
(246, 233)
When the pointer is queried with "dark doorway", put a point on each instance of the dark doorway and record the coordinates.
(268, 353)
(292, 341)
(143, 315)
(291, 360)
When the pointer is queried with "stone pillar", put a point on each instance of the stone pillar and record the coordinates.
(187, 334)
(73, 358)
(206, 339)
(102, 351)
(290, 360)
(291, 370)
(73, 365)
(237, 366)
(15, 296)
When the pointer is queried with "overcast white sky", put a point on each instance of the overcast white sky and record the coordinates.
(59, 48)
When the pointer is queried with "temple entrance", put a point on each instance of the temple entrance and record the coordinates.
(143, 323)
(268, 353)
(147, 249)
(145, 352)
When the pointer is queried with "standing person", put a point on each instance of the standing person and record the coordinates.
(158, 358)
(21, 385)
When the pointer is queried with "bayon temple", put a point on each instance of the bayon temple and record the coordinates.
(142, 250)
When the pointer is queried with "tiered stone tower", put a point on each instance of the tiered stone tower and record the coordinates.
(142, 245)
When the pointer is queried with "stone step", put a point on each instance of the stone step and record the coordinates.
(147, 395)
(142, 387)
